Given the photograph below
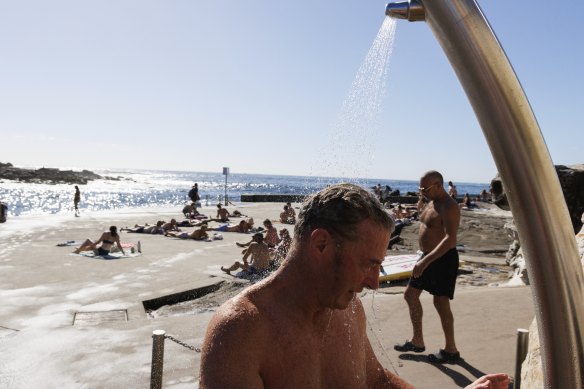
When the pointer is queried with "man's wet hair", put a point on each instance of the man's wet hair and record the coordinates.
(339, 209)
(258, 237)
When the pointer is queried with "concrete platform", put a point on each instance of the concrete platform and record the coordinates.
(43, 286)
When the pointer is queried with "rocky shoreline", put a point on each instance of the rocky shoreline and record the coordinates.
(49, 175)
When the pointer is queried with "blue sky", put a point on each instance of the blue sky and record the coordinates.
(257, 85)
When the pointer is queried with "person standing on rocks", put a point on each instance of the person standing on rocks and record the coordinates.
(77, 200)
(452, 192)
(437, 268)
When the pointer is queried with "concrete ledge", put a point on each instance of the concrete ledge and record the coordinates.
(272, 198)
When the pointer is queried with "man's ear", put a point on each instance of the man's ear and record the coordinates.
(320, 240)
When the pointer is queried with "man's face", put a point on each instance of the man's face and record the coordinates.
(427, 188)
(357, 263)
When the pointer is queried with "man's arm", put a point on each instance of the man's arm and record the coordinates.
(250, 250)
(377, 376)
(230, 352)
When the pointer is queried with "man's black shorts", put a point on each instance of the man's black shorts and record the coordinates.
(439, 278)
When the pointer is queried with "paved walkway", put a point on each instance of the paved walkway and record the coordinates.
(43, 287)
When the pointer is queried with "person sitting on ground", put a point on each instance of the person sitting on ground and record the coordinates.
(286, 216)
(107, 240)
(467, 202)
(271, 237)
(484, 195)
(282, 249)
(146, 229)
(260, 257)
(291, 210)
(190, 211)
(222, 215)
(244, 227)
(198, 234)
(339, 243)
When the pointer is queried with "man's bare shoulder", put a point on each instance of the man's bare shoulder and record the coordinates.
(234, 347)
(446, 204)
(238, 315)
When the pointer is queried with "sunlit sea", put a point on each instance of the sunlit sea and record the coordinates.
(147, 188)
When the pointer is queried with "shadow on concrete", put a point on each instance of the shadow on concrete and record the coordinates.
(458, 378)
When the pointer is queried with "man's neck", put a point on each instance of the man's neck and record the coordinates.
(302, 300)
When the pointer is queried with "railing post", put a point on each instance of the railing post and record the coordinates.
(520, 354)
(157, 359)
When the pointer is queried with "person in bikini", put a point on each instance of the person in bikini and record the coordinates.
(107, 240)
(437, 269)
(312, 303)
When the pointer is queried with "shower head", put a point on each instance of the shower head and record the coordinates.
(412, 10)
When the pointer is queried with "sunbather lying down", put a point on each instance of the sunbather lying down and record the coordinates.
(198, 234)
(146, 229)
(244, 226)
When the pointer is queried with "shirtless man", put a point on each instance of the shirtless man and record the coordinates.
(260, 257)
(286, 216)
(222, 215)
(436, 271)
(293, 330)
(271, 238)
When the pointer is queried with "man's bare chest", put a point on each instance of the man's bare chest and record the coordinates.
(333, 359)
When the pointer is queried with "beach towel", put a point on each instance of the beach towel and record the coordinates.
(80, 242)
(110, 256)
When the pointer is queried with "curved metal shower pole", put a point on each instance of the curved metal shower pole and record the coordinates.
(531, 183)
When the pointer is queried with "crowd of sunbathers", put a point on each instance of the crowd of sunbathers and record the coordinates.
(261, 255)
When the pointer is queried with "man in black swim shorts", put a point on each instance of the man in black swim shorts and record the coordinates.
(436, 269)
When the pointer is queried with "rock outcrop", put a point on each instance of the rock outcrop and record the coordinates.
(572, 183)
(48, 175)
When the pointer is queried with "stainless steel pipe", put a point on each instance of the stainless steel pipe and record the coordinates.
(520, 354)
(531, 183)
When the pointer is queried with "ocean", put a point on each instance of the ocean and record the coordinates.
(149, 188)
